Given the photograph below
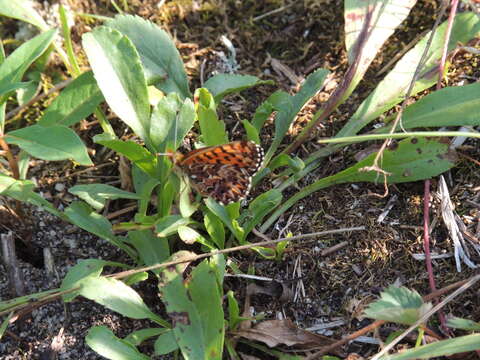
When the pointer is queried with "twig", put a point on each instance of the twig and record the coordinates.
(232, 249)
(39, 97)
(280, 9)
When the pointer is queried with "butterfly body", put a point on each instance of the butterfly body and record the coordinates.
(223, 172)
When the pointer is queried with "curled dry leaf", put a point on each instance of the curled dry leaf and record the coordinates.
(275, 289)
(283, 332)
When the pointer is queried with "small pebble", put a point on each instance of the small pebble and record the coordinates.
(59, 187)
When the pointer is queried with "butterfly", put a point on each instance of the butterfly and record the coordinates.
(222, 172)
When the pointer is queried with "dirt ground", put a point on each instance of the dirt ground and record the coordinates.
(330, 291)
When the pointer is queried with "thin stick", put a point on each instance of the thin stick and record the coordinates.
(232, 249)
(280, 9)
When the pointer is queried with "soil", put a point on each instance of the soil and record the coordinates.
(332, 289)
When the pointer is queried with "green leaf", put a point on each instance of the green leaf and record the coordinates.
(450, 106)
(171, 120)
(22, 190)
(212, 129)
(290, 107)
(9, 304)
(215, 229)
(116, 296)
(102, 340)
(398, 304)
(440, 348)
(259, 208)
(165, 343)
(50, 143)
(134, 152)
(151, 249)
(393, 87)
(8, 88)
(119, 74)
(15, 65)
(161, 59)
(221, 212)
(77, 101)
(78, 273)
(252, 133)
(85, 218)
(5, 324)
(409, 160)
(169, 225)
(195, 310)
(464, 324)
(221, 85)
(207, 297)
(233, 311)
(139, 336)
(24, 11)
(97, 194)
(263, 112)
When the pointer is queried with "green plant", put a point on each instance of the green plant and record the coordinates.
(128, 55)
(403, 306)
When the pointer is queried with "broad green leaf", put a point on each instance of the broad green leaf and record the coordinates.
(258, 208)
(169, 225)
(78, 273)
(207, 297)
(102, 340)
(294, 163)
(15, 65)
(464, 324)
(398, 304)
(221, 212)
(171, 120)
(116, 296)
(290, 107)
(221, 85)
(151, 249)
(117, 68)
(136, 278)
(393, 87)
(196, 311)
(134, 152)
(22, 10)
(450, 106)
(22, 190)
(212, 129)
(97, 194)
(186, 202)
(187, 323)
(409, 160)
(77, 101)
(161, 60)
(8, 88)
(252, 133)
(85, 218)
(440, 348)
(6, 181)
(265, 110)
(31, 89)
(139, 336)
(165, 343)
(386, 16)
(50, 143)
(215, 229)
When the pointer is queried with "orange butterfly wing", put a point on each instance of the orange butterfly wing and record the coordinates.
(223, 172)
